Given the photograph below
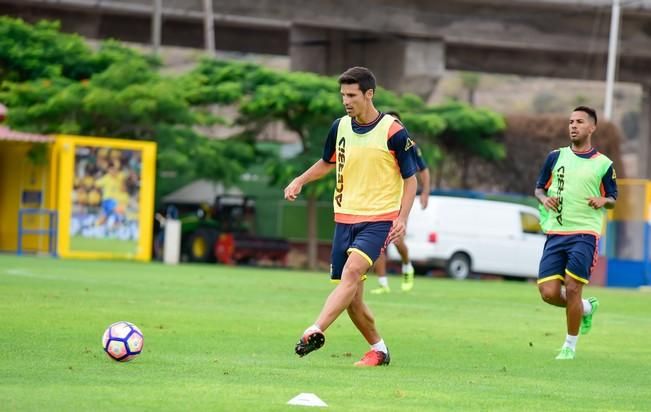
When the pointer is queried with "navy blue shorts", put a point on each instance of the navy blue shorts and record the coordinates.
(571, 255)
(368, 239)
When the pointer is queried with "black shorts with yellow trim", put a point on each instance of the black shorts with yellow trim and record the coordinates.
(568, 255)
(368, 239)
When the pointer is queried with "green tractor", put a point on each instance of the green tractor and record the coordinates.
(222, 232)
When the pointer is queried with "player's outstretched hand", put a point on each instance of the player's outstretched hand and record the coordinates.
(292, 190)
(397, 230)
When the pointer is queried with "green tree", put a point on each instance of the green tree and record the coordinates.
(41, 51)
(470, 133)
(129, 99)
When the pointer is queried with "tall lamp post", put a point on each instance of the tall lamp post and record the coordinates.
(156, 23)
(209, 27)
(612, 59)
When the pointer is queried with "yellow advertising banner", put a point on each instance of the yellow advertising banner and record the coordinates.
(105, 197)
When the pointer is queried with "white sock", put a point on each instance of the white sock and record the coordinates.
(570, 342)
(313, 328)
(407, 267)
(383, 281)
(380, 346)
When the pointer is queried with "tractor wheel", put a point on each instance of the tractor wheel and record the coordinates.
(201, 245)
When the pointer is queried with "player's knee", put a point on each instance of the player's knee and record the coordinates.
(573, 290)
(352, 274)
(547, 293)
(350, 279)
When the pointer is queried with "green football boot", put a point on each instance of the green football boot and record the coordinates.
(381, 290)
(407, 280)
(566, 353)
(586, 320)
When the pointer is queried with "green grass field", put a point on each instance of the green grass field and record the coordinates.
(221, 339)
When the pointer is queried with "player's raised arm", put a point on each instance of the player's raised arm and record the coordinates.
(319, 169)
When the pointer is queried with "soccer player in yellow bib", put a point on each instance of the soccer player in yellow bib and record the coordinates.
(375, 166)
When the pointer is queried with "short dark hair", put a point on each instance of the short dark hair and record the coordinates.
(394, 114)
(359, 75)
(589, 110)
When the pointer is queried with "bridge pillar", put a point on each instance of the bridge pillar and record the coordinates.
(401, 64)
(644, 154)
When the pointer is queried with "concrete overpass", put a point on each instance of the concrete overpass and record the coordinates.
(408, 43)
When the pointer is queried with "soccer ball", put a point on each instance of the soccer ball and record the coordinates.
(123, 341)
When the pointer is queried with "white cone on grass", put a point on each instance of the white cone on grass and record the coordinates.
(306, 399)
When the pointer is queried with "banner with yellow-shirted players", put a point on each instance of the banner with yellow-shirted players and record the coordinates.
(106, 191)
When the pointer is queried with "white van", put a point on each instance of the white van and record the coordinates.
(469, 235)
